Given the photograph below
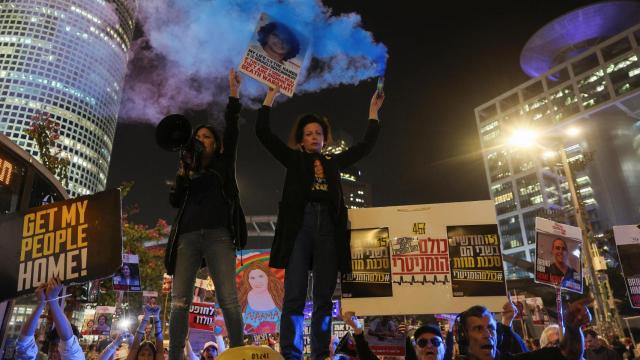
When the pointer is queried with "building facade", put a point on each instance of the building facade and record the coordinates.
(67, 58)
(597, 92)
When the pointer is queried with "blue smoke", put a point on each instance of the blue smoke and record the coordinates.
(190, 45)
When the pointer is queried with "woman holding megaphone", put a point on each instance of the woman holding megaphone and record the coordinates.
(210, 225)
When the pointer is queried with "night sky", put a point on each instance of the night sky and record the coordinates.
(443, 62)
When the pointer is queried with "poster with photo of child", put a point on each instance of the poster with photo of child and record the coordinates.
(558, 255)
(128, 276)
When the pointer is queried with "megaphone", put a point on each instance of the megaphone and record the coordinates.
(173, 133)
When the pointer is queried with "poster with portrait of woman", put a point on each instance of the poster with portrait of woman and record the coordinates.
(275, 54)
(128, 276)
(102, 319)
(88, 322)
(260, 292)
(558, 255)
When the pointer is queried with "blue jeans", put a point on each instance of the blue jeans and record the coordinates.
(314, 250)
(217, 248)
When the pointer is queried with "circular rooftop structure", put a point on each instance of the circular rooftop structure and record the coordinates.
(575, 32)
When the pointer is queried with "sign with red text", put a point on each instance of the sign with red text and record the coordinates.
(275, 55)
(558, 255)
(421, 273)
(206, 316)
(76, 240)
(628, 243)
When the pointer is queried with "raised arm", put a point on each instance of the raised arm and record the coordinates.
(26, 347)
(577, 314)
(364, 147)
(69, 347)
(157, 329)
(133, 348)
(364, 352)
(269, 140)
(508, 340)
(108, 352)
(231, 115)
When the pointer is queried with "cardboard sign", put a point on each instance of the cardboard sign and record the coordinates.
(558, 255)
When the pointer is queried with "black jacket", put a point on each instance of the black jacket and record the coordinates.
(224, 166)
(297, 186)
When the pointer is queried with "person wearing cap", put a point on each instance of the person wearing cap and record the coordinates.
(210, 349)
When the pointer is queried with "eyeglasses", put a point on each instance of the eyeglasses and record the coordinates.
(422, 342)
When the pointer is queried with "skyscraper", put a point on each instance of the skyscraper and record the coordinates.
(585, 75)
(67, 58)
(356, 193)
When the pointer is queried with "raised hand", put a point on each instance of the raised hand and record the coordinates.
(41, 293)
(376, 103)
(271, 96)
(54, 287)
(351, 320)
(234, 83)
(577, 313)
(509, 312)
(151, 311)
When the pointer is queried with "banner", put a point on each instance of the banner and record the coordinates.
(558, 255)
(419, 246)
(371, 276)
(628, 242)
(383, 336)
(475, 260)
(77, 240)
(128, 276)
(260, 292)
(275, 55)
(103, 319)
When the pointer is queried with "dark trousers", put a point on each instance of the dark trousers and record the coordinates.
(313, 250)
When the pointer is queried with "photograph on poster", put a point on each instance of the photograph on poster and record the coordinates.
(558, 261)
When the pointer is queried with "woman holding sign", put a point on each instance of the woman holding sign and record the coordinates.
(210, 226)
(311, 233)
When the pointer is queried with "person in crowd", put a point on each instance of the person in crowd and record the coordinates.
(477, 335)
(618, 346)
(210, 225)
(595, 348)
(91, 353)
(65, 345)
(110, 350)
(560, 269)
(311, 232)
(261, 294)
(210, 350)
(278, 41)
(550, 336)
(148, 350)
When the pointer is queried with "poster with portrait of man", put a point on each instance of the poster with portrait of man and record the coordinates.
(275, 54)
(128, 276)
(628, 242)
(558, 255)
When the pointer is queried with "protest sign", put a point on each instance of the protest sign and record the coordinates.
(384, 337)
(475, 260)
(536, 310)
(260, 292)
(77, 240)
(128, 276)
(275, 55)
(103, 320)
(420, 271)
(558, 255)
(628, 242)
(371, 276)
(88, 322)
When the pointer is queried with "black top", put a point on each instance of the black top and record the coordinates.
(320, 187)
(206, 207)
(550, 353)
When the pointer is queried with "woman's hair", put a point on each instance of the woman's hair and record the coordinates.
(103, 316)
(122, 267)
(214, 131)
(275, 287)
(148, 344)
(297, 131)
(544, 337)
(284, 33)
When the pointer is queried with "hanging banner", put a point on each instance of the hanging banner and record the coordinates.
(628, 242)
(77, 240)
(371, 276)
(275, 55)
(475, 260)
(260, 292)
(558, 255)
(128, 276)
(420, 265)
